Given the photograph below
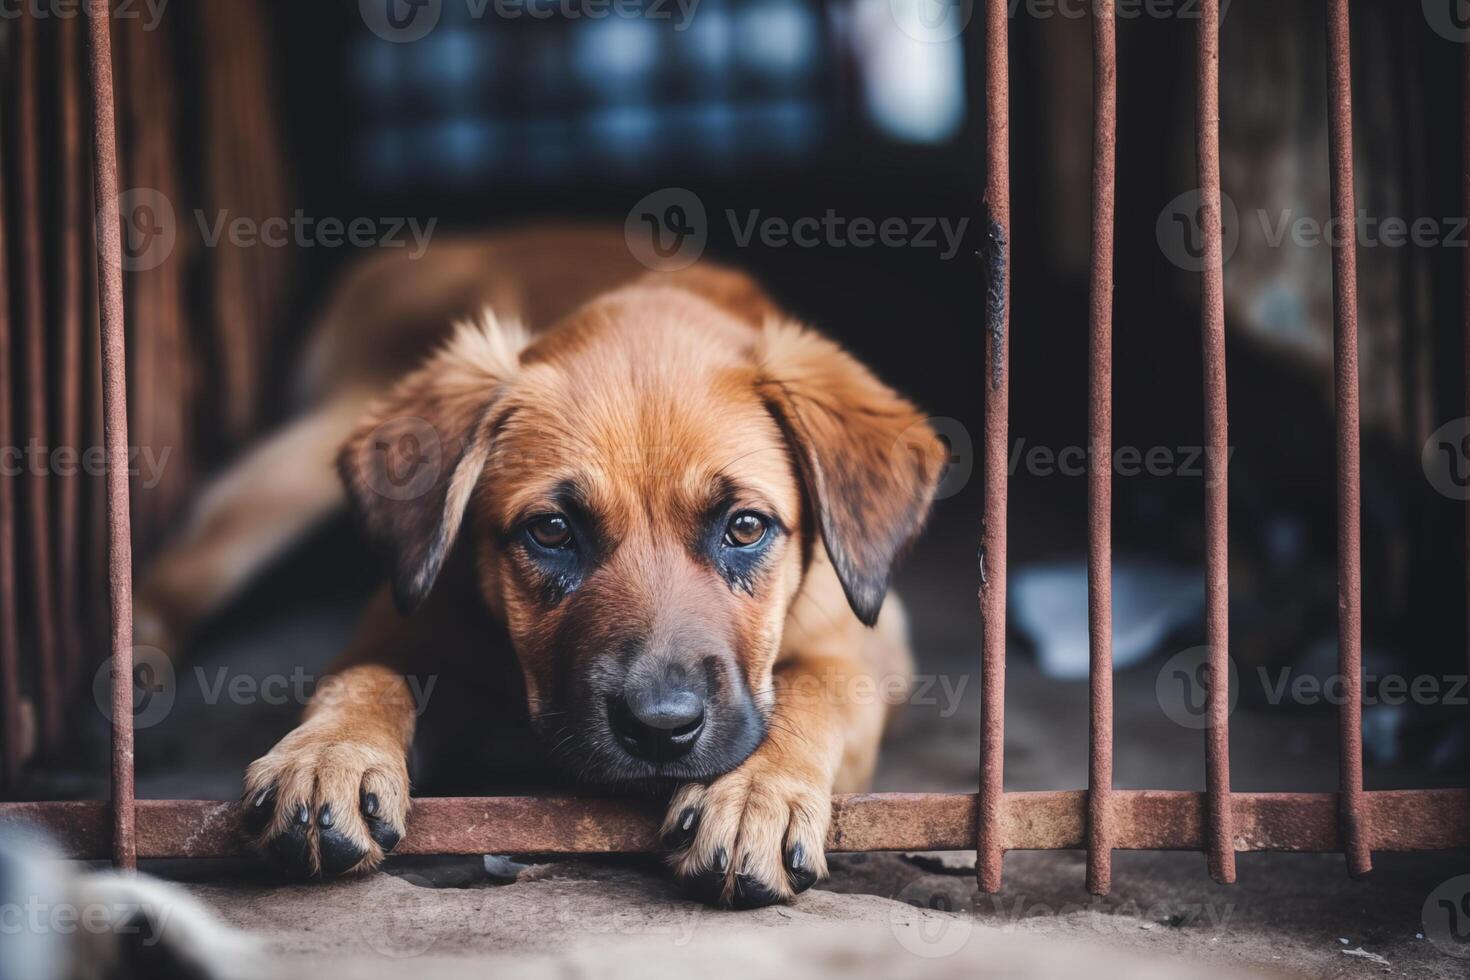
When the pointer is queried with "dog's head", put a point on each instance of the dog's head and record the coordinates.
(643, 488)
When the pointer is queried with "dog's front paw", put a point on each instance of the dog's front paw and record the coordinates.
(752, 837)
(323, 804)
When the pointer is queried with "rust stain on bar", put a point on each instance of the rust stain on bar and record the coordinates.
(69, 395)
(990, 831)
(1100, 456)
(1217, 439)
(115, 421)
(33, 317)
(10, 736)
(1349, 468)
(1147, 820)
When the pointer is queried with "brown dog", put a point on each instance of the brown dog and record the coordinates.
(678, 508)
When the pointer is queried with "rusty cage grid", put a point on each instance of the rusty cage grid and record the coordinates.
(1100, 819)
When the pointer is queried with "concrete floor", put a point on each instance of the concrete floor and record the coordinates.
(880, 914)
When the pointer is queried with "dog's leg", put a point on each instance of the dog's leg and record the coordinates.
(756, 835)
(332, 796)
(248, 516)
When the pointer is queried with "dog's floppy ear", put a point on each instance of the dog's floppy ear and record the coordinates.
(414, 460)
(868, 458)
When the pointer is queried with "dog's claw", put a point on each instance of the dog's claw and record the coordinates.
(681, 834)
(383, 834)
(258, 814)
(798, 871)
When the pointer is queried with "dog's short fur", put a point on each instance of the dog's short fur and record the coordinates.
(588, 457)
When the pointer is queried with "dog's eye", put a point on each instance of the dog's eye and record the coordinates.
(551, 531)
(745, 530)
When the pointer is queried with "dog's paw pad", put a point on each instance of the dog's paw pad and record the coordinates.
(338, 854)
(319, 806)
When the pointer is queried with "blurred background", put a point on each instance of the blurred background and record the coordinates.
(457, 116)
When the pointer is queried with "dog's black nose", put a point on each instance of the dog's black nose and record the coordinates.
(658, 722)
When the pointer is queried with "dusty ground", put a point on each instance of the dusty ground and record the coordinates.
(880, 915)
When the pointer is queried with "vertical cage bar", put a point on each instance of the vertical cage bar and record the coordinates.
(115, 416)
(11, 735)
(33, 315)
(1465, 287)
(1221, 835)
(1349, 475)
(1100, 457)
(990, 820)
(69, 392)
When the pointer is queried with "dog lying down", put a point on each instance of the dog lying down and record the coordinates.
(61, 923)
(652, 514)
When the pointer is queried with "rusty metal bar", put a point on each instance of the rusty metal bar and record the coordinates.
(115, 413)
(1465, 287)
(1100, 458)
(11, 735)
(69, 394)
(990, 833)
(33, 319)
(1349, 469)
(1217, 440)
(1147, 820)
